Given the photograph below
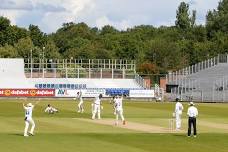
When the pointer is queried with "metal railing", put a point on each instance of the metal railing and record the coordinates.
(78, 68)
(174, 77)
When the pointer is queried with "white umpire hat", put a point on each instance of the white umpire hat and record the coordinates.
(191, 103)
(29, 105)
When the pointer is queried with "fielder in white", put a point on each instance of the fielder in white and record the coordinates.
(50, 109)
(96, 107)
(28, 119)
(178, 112)
(119, 110)
(80, 104)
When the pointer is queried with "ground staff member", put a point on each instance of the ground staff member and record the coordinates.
(192, 114)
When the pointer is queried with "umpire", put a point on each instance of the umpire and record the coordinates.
(192, 114)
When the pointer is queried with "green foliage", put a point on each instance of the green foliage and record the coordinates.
(148, 68)
(51, 50)
(183, 20)
(10, 34)
(217, 20)
(108, 30)
(165, 47)
(24, 47)
(8, 51)
(38, 37)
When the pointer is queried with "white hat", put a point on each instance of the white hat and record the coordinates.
(191, 104)
(29, 105)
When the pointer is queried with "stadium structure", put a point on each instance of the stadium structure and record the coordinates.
(66, 76)
(205, 81)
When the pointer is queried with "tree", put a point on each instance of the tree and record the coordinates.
(4, 29)
(24, 47)
(4, 23)
(51, 50)
(217, 20)
(37, 36)
(8, 51)
(183, 19)
(193, 18)
(148, 68)
(164, 54)
(107, 29)
(64, 37)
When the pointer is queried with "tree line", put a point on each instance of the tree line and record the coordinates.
(155, 49)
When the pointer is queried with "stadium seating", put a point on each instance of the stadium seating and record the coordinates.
(12, 74)
(82, 83)
(209, 84)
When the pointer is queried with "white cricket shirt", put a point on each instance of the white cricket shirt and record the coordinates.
(178, 108)
(192, 111)
(97, 101)
(28, 112)
(119, 104)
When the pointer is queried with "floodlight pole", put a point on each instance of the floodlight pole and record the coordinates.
(31, 65)
(43, 63)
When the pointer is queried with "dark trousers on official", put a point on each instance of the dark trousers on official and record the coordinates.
(191, 122)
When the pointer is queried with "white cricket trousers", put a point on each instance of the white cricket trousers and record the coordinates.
(27, 123)
(80, 106)
(119, 113)
(96, 110)
(178, 121)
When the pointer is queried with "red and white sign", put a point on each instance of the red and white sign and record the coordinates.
(27, 92)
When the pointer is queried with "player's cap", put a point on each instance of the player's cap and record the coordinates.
(177, 99)
(191, 104)
(29, 104)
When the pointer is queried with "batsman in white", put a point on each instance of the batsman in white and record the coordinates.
(119, 110)
(28, 119)
(96, 107)
(80, 104)
(178, 112)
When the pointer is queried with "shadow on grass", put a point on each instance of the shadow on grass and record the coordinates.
(16, 134)
(180, 135)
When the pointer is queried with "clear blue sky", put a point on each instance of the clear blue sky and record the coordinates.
(49, 15)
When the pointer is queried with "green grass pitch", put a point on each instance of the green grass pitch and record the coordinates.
(63, 132)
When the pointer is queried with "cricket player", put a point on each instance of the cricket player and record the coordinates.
(113, 101)
(178, 112)
(97, 105)
(119, 110)
(50, 109)
(80, 104)
(28, 119)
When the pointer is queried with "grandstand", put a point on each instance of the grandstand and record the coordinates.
(115, 76)
(12, 74)
(204, 81)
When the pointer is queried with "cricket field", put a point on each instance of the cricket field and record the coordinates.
(147, 129)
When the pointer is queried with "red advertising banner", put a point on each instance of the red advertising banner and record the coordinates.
(27, 92)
